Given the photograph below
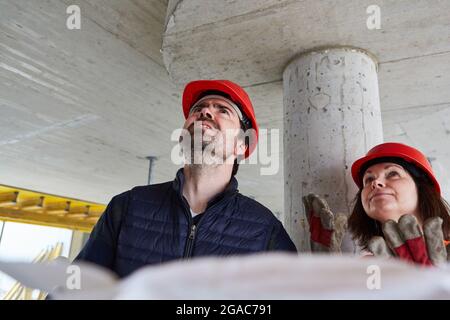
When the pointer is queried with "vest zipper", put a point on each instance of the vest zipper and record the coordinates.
(193, 230)
(190, 242)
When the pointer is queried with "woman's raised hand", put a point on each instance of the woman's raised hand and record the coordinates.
(326, 228)
(406, 241)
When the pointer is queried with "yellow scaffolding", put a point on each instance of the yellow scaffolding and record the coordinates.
(32, 207)
(20, 292)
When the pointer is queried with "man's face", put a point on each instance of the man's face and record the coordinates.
(216, 123)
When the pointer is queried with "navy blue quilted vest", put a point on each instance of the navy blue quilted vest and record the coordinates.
(152, 224)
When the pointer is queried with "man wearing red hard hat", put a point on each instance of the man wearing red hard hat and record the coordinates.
(201, 212)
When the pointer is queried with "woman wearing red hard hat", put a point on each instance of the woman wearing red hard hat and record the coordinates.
(398, 209)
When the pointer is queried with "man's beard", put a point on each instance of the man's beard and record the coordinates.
(203, 148)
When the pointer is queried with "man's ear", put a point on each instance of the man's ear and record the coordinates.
(240, 149)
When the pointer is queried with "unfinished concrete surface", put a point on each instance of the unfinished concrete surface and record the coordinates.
(331, 117)
(82, 109)
(252, 41)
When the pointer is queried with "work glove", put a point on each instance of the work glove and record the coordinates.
(406, 241)
(326, 228)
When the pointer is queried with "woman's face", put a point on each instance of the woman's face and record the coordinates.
(389, 192)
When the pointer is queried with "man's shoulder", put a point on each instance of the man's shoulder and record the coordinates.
(147, 192)
(144, 192)
(256, 209)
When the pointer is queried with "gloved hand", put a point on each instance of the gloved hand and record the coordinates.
(406, 241)
(326, 228)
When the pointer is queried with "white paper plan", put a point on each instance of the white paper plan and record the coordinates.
(268, 276)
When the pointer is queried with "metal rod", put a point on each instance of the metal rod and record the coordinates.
(152, 160)
(1, 231)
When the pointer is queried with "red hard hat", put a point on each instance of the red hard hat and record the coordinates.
(397, 150)
(194, 90)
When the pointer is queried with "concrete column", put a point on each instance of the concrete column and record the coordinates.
(79, 239)
(331, 117)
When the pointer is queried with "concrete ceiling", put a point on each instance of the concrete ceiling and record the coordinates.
(81, 109)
